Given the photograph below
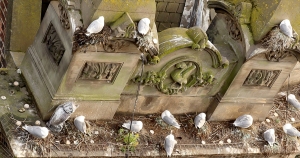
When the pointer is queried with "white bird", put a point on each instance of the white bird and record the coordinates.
(80, 124)
(286, 27)
(243, 121)
(144, 26)
(37, 131)
(60, 115)
(96, 26)
(200, 120)
(290, 130)
(269, 136)
(293, 101)
(136, 126)
(170, 143)
(169, 119)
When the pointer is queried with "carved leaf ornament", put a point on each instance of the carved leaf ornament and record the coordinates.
(176, 76)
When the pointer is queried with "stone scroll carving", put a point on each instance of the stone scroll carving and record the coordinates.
(100, 71)
(264, 78)
(54, 44)
(176, 76)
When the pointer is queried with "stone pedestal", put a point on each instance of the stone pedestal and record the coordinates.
(253, 89)
(92, 78)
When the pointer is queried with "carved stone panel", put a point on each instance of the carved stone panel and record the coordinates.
(100, 71)
(54, 44)
(258, 77)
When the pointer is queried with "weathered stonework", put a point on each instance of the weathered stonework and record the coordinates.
(168, 13)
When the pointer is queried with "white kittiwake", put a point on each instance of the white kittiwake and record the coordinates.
(170, 143)
(169, 119)
(37, 131)
(80, 124)
(135, 127)
(200, 120)
(293, 101)
(290, 130)
(144, 26)
(243, 121)
(286, 27)
(269, 136)
(96, 26)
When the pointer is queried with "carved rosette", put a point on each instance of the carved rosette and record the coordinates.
(55, 47)
(100, 71)
(262, 78)
(176, 76)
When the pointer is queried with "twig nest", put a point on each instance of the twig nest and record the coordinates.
(26, 106)
(16, 83)
(18, 123)
(275, 114)
(96, 132)
(37, 122)
(92, 141)
(3, 97)
(68, 142)
(268, 120)
(221, 142)
(293, 119)
(228, 140)
(202, 142)
(151, 131)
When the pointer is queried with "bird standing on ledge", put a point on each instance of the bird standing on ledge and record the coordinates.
(96, 26)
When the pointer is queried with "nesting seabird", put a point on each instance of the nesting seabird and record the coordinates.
(96, 26)
(169, 119)
(290, 130)
(286, 27)
(80, 124)
(269, 136)
(200, 120)
(293, 101)
(37, 131)
(144, 26)
(243, 121)
(136, 126)
(60, 115)
(170, 143)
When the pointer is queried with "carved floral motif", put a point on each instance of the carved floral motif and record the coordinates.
(176, 76)
(54, 44)
(100, 71)
(264, 78)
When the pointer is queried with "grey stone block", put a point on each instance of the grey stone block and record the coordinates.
(180, 8)
(161, 6)
(174, 17)
(172, 7)
(162, 17)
